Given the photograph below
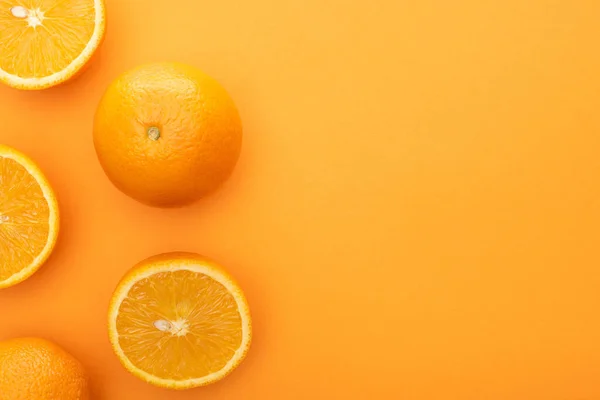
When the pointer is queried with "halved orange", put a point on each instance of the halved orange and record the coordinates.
(179, 321)
(29, 217)
(47, 42)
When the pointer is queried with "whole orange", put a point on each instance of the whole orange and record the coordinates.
(167, 134)
(36, 369)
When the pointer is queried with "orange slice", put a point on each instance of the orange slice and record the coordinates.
(47, 42)
(28, 217)
(179, 321)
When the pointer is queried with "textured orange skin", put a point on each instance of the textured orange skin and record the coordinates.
(200, 134)
(35, 369)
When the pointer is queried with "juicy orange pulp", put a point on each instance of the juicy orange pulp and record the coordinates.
(180, 334)
(178, 320)
(28, 218)
(45, 42)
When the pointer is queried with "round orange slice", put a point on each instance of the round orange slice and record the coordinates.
(29, 218)
(179, 321)
(47, 42)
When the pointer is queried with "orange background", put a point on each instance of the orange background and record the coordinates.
(415, 214)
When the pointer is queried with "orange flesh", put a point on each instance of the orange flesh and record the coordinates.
(32, 50)
(24, 218)
(207, 326)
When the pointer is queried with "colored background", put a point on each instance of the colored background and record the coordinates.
(415, 214)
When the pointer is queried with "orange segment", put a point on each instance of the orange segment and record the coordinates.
(28, 217)
(177, 320)
(46, 42)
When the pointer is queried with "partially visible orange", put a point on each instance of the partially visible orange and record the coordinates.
(167, 134)
(36, 369)
(29, 218)
(179, 321)
(47, 42)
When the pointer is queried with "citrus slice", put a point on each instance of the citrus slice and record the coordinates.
(179, 321)
(28, 217)
(47, 42)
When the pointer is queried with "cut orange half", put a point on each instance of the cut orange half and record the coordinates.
(179, 321)
(28, 217)
(47, 42)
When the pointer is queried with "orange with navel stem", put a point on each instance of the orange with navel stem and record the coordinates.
(36, 369)
(167, 134)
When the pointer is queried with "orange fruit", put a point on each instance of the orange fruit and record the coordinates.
(29, 217)
(167, 134)
(179, 321)
(36, 369)
(46, 42)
